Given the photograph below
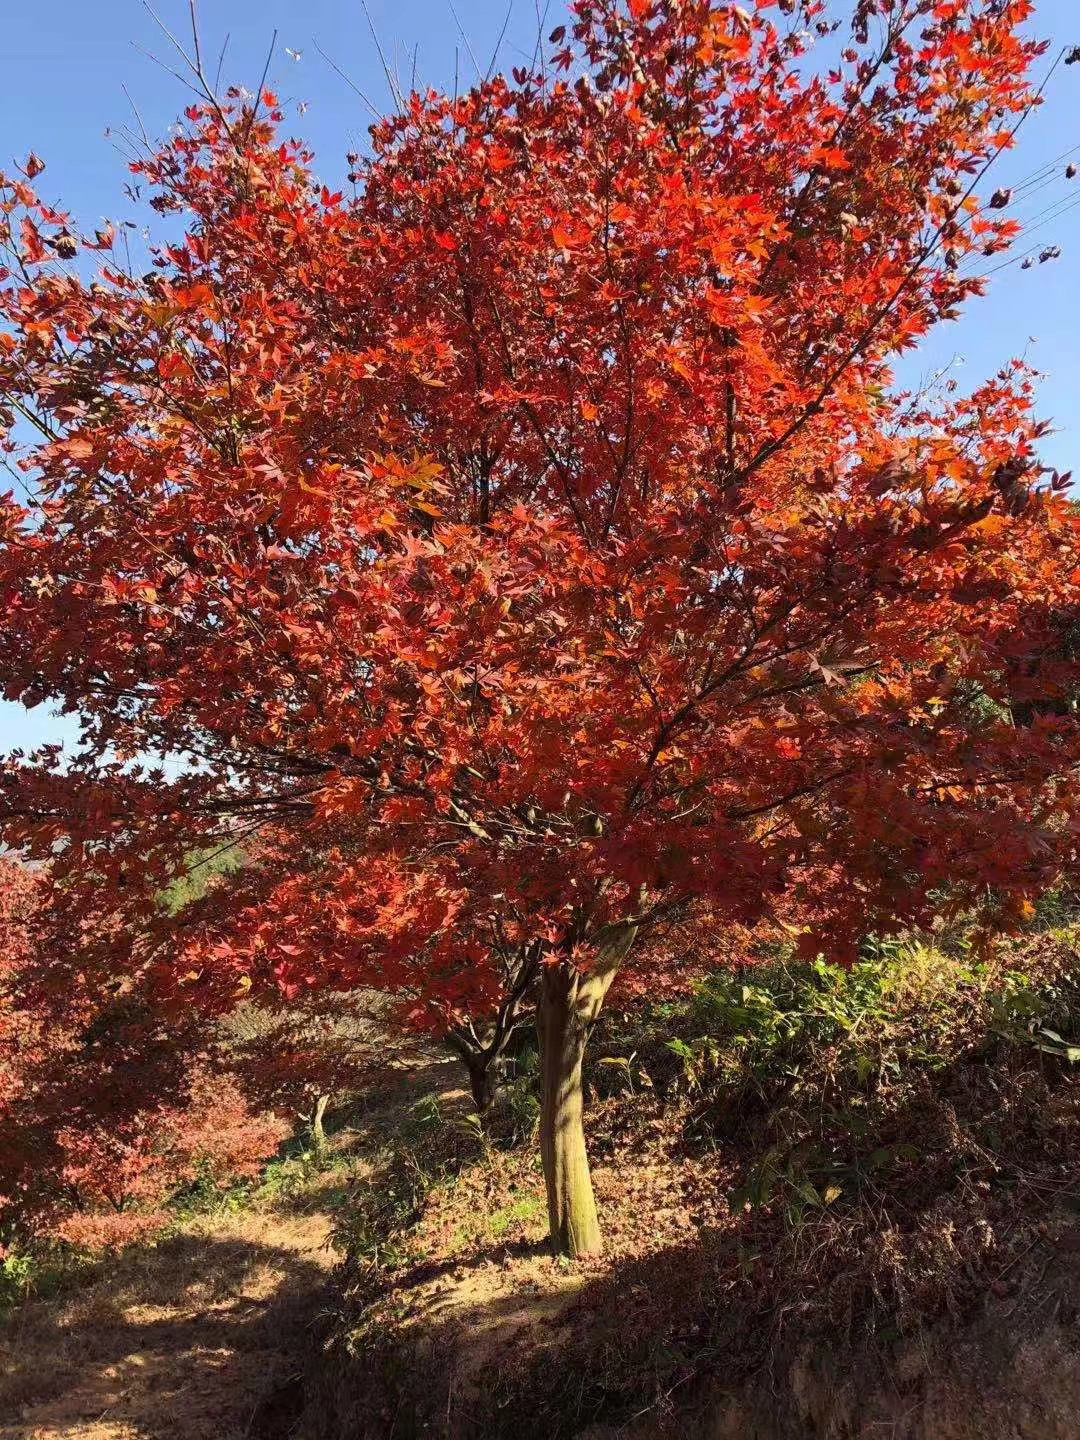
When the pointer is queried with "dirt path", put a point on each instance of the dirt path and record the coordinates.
(203, 1336)
(185, 1341)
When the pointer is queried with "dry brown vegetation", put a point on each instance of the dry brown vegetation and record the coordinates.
(483, 1334)
(179, 1341)
(204, 1334)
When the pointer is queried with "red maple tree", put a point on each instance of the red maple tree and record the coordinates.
(530, 543)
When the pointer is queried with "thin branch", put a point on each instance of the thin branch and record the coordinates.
(498, 42)
(395, 89)
(203, 88)
(814, 407)
(468, 46)
(221, 61)
(351, 84)
(138, 118)
(799, 794)
(195, 33)
(538, 49)
(262, 85)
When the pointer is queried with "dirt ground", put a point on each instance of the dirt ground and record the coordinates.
(191, 1340)
(204, 1335)
(940, 1304)
(460, 1328)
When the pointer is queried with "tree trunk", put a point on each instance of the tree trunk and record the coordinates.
(569, 1004)
(482, 1082)
(318, 1134)
(482, 1067)
(482, 1056)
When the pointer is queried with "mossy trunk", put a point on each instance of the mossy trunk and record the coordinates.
(569, 1004)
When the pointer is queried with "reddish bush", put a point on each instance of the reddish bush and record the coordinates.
(106, 1107)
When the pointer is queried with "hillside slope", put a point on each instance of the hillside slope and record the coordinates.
(836, 1206)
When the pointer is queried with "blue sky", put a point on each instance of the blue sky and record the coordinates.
(68, 63)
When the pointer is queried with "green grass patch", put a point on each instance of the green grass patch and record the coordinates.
(526, 1211)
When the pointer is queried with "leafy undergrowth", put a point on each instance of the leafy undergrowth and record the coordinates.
(797, 1156)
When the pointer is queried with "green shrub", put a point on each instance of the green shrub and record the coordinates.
(814, 1065)
(19, 1271)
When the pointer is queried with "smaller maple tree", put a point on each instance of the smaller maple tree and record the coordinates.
(107, 1105)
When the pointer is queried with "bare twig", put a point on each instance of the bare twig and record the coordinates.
(498, 42)
(395, 88)
(221, 61)
(465, 38)
(262, 84)
(376, 113)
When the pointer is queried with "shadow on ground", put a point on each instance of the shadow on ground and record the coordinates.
(198, 1338)
(936, 1297)
(205, 1336)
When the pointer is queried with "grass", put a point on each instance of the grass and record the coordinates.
(525, 1211)
(296, 1179)
(179, 1339)
(189, 1336)
(180, 1335)
(204, 869)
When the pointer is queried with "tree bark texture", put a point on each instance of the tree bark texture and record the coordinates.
(569, 1003)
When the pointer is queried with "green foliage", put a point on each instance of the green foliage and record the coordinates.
(381, 1208)
(203, 871)
(206, 1196)
(427, 1149)
(766, 1033)
(907, 1004)
(522, 1211)
(19, 1273)
(631, 1076)
(1056, 913)
(521, 1098)
(813, 1064)
(427, 1112)
(39, 1271)
(516, 1113)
